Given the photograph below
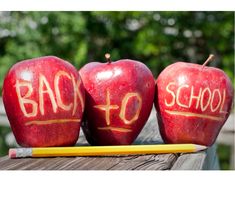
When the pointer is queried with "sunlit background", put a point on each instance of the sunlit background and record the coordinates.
(155, 38)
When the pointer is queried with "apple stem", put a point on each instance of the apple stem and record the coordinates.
(209, 59)
(107, 56)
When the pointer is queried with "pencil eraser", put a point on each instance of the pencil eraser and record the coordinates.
(12, 153)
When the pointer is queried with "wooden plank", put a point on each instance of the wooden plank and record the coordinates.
(146, 162)
(57, 163)
(193, 161)
(204, 160)
(149, 135)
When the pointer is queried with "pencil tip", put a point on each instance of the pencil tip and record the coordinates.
(200, 147)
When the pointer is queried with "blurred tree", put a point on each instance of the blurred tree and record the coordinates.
(155, 38)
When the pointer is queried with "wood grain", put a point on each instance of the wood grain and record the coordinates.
(146, 162)
(192, 161)
(204, 160)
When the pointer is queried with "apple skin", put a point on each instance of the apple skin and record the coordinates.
(59, 125)
(117, 79)
(177, 103)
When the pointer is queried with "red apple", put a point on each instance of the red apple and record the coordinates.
(44, 100)
(119, 99)
(193, 102)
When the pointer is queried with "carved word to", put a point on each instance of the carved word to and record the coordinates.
(203, 102)
(108, 106)
(55, 97)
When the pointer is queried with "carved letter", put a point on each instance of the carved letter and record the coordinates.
(124, 105)
(172, 93)
(203, 108)
(178, 94)
(222, 105)
(195, 97)
(24, 100)
(107, 108)
(57, 90)
(212, 99)
(43, 82)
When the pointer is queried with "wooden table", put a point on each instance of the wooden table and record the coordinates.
(149, 135)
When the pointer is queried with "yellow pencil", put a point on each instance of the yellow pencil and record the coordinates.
(104, 150)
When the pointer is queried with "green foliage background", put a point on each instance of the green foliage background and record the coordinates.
(154, 38)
